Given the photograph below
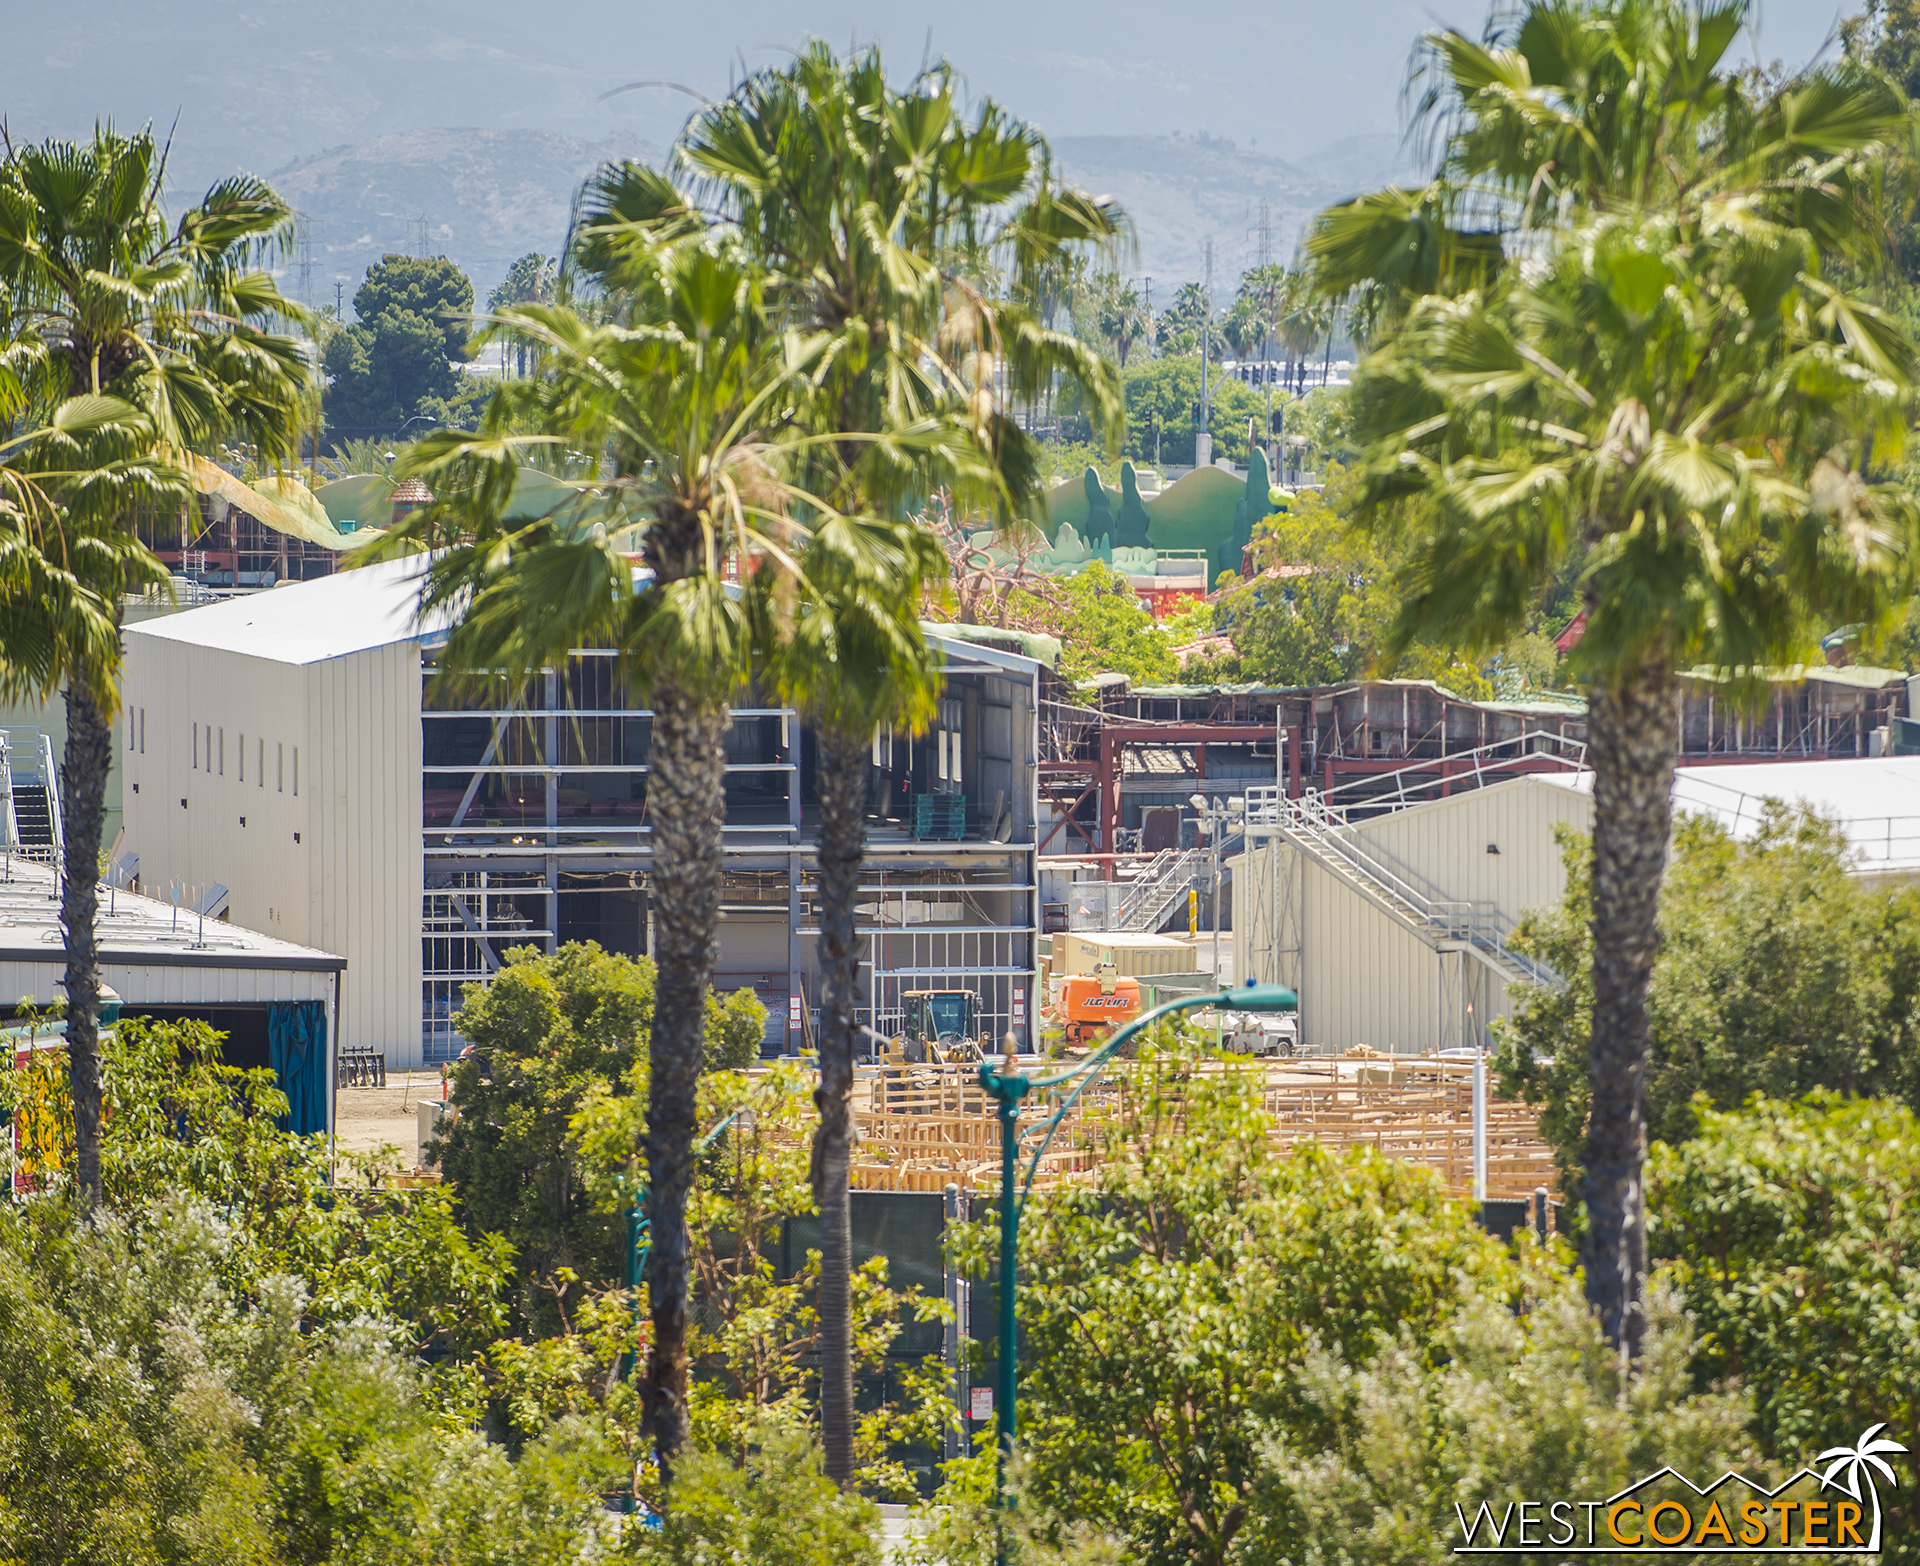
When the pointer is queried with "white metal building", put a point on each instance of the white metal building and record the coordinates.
(1394, 929)
(295, 749)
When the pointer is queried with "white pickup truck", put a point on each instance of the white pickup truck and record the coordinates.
(1261, 1033)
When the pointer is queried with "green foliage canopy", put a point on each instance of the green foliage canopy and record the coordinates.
(1778, 972)
(550, 1035)
(1793, 1228)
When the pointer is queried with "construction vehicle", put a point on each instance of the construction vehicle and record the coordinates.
(1273, 1034)
(1090, 1005)
(938, 1028)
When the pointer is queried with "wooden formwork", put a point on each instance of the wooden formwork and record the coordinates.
(924, 1128)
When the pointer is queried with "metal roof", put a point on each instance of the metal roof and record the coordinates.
(378, 605)
(1875, 800)
(137, 931)
(309, 622)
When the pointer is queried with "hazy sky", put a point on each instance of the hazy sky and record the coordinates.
(264, 81)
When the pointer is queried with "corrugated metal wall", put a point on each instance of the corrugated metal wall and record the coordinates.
(329, 855)
(1445, 844)
(1365, 977)
(364, 900)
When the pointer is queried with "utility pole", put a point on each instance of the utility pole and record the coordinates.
(1203, 437)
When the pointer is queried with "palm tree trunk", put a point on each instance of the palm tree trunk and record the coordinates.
(83, 807)
(686, 799)
(841, 786)
(1631, 741)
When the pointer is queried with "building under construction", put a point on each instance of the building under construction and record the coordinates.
(1118, 773)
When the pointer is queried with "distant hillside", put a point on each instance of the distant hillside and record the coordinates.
(1360, 163)
(487, 198)
(1184, 191)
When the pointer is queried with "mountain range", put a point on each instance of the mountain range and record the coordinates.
(486, 197)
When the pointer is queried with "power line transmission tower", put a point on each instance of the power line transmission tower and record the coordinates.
(422, 221)
(339, 301)
(1265, 232)
(306, 259)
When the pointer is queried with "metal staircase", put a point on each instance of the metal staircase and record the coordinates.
(1322, 832)
(1149, 897)
(33, 824)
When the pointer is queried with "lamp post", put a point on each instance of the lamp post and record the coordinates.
(1007, 1086)
(1215, 819)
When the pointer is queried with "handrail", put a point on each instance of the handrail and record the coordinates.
(51, 774)
(1452, 773)
(1322, 829)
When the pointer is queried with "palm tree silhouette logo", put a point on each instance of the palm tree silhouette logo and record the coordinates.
(1852, 1466)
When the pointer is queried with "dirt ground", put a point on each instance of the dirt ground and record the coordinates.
(366, 1119)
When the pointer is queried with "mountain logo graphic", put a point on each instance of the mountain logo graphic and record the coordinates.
(1734, 1515)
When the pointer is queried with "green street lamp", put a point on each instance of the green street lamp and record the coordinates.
(1008, 1087)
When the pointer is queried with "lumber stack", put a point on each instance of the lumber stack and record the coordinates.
(922, 1128)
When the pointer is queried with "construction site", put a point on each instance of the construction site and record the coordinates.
(926, 1128)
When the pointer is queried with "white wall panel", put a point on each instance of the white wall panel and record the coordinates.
(1443, 843)
(351, 884)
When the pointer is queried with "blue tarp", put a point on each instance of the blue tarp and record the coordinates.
(297, 1050)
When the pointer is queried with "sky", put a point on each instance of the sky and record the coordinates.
(259, 83)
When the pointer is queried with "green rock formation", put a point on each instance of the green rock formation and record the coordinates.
(1132, 529)
(1099, 513)
(1254, 506)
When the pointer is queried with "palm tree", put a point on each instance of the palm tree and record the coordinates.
(1612, 339)
(853, 661)
(681, 389)
(1858, 1464)
(104, 297)
(875, 211)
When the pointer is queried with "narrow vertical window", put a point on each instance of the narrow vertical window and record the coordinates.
(296, 772)
(242, 758)
(260, 769)
(143, 731)
(223, 754)
(196, 747)
(280, 769)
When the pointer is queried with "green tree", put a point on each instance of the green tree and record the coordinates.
(1885, 37)
(775, 1508)
(1778, 972)
(1326, 614)
(1179, 327)
(1499, 1406)
(1113, 313)
(399, 359)
(550, 1034)
(920, 365)
(1164, 392)
(856, 660)
(1587, 396)
(680, 386)
(530, 280)
(1169, 1307)
(103, 297)
(1102, 626)
(1792, 1228)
